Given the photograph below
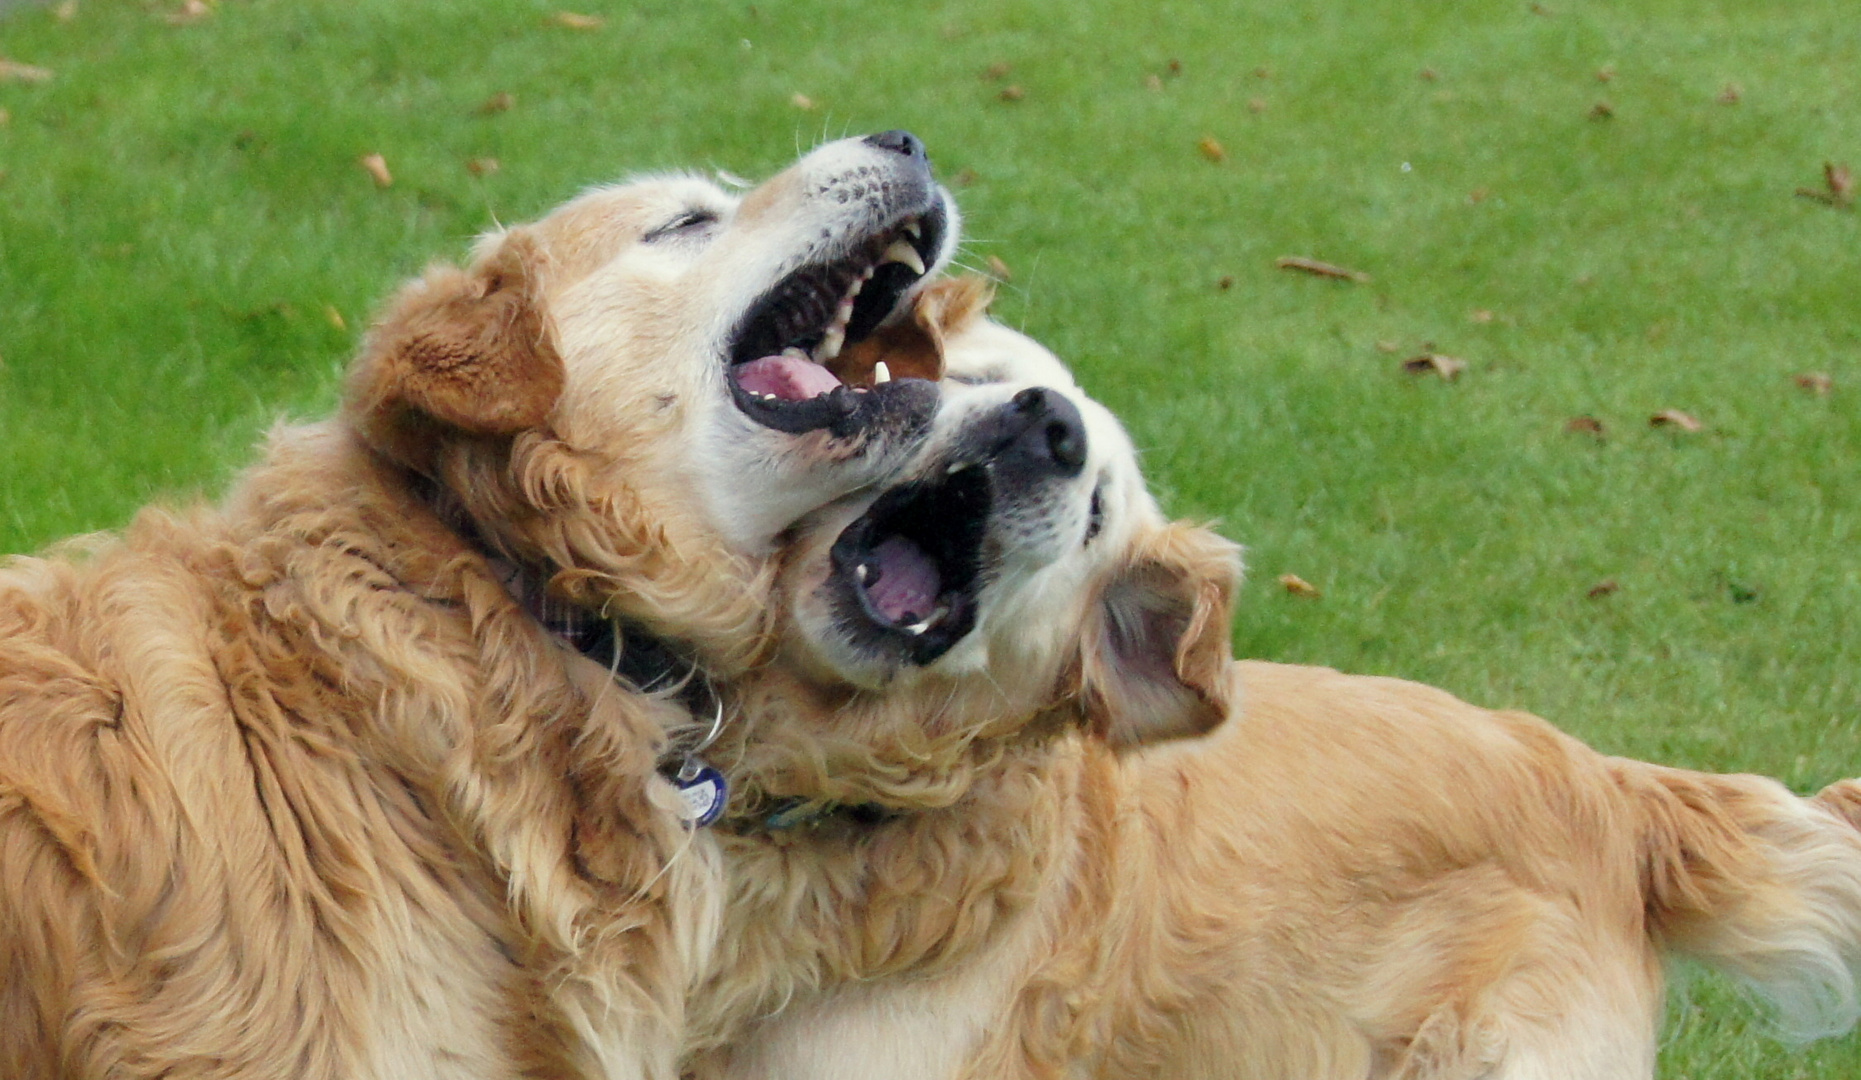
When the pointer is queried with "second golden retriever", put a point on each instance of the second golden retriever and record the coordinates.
(967, 865)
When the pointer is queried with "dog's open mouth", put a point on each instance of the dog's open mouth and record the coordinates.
(908, 570)
(781, 355)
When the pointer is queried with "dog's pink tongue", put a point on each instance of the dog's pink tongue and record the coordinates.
(791, 378)
(908, 581)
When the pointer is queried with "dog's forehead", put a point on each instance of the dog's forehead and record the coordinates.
(598, 224)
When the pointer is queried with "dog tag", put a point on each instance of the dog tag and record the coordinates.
(702, 793)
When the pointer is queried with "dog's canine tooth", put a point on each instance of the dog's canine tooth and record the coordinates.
(913, 229)
(901, 251)
(860, 573)
(881, 374)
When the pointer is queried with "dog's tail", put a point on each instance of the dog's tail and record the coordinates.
(1758, 883)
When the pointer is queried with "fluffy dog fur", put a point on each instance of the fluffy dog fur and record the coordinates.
(295, 788)
(1352, 877)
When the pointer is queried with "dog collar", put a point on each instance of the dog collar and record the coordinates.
(645, 662)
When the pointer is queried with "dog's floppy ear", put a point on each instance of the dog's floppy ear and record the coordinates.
(912, 348)
(472, 350)
(1157, 650)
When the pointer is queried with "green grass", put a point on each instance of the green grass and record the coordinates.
(181, 206)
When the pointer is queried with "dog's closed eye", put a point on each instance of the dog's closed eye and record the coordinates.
(687, 222)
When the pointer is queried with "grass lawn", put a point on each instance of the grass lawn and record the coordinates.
(1593, 206)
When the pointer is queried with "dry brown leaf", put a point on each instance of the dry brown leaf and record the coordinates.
(335, 317)
(1212, 149)
(1731, 95)
(1263, 73)
(1540, 9)
(999, 269)
(1430, 74)
(190, 11)
(1584, 425)
(1387, 346)
(1676, 419)
(997, 71)
(965, 177)
(1176, 67)
(1815, 382)
(502, 101)
(1257, 105)
(1602, 110)
(1298, 586)
(1320, 269)
(1841, 181)
(1480, 315)
(1447, 367)
(1225, 283)
(14, 71)
(1606, 73)
(1153, 82)
(377, 167)
(802, 101)
(1605, 587)
(576, 21)
(483, 166)
(1477, 195)
(1012, 93)
(66, 11)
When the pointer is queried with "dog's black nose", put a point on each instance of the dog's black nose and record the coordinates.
(1052, 436)
(900, 142)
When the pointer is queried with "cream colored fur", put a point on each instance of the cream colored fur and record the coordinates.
(1351, 877)
(293, 788)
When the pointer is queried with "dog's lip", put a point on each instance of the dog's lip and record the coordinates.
(820, 308)
(931, 530)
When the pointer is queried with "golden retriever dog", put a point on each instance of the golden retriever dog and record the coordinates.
(971, 861)
(323, 783)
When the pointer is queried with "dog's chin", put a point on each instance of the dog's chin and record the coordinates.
(789, 360)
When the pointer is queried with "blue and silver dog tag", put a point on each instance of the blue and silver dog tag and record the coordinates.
(702, 793)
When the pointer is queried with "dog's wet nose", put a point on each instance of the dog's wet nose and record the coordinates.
(1053, 434)
(900, 142)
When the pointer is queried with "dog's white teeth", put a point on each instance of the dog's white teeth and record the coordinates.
(797, 352)
(914, 230)
(901, 251)
(860, 572)
(881, 374)
(916, 629)
(830, 343)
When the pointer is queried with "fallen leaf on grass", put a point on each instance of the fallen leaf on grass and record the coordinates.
(1447, 367)
(999, 269)
(1603, 588)
(483, 166)
(14, 71)
(576, 21)
(191, 11)
(335, 317)
(1540, 9)
(1298, 586)
(802, 102)
(1477, 195)
(1731, 94)
(1320, 269)
(1815, 382)
(1606, 73)
(377, 167)
(66, 11)
(1012, 93)
(1263, 73)
(502, 101)
(1176, 67)
(1584, 425)
(1430, 74)
(1602, 110)
(1212, 150)
(1225, 283)
(1838, 183)
(1676, 419)
(997, 71)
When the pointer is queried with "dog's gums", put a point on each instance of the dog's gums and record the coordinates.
(908, 570)
(779, 356)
